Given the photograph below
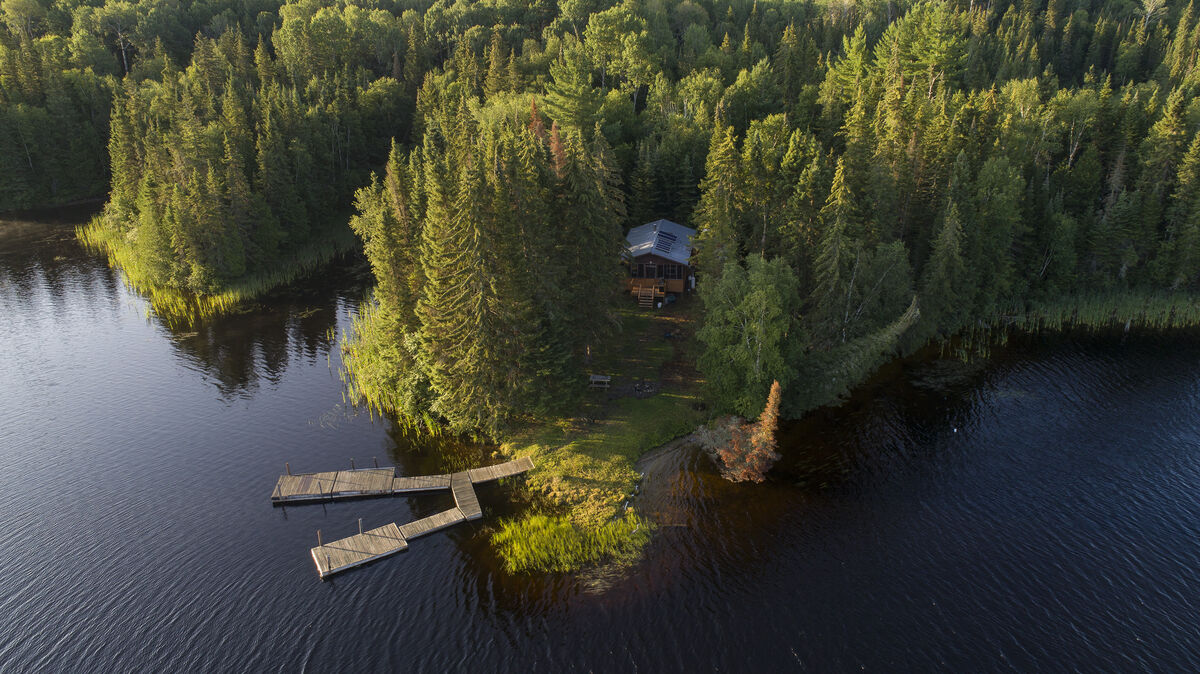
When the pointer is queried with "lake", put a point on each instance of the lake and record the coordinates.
(1037, 510)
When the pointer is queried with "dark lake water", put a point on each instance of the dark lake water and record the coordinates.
(1039, 511)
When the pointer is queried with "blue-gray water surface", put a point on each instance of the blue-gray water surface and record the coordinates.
(1037, 511)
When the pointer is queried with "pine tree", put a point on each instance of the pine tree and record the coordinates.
(388, 224)
(457, 330)
(414, 63)
(557, 151)
(514, 80)
(748, 450)
(789, 64)
(123, 152)
(1160, 155)
(643, 202)
(762, 437)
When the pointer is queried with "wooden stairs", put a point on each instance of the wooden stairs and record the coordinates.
(646, 297)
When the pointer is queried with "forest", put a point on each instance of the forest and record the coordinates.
(865, 176)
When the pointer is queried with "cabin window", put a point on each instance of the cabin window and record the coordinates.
(656, 271)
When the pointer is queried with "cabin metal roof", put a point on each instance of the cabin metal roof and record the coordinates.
(663, 238)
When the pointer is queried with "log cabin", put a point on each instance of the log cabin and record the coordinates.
(659, 260)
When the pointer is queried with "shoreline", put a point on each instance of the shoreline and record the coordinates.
(182, 308)
(1093, 314)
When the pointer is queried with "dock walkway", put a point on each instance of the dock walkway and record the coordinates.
(367, 482)
(389, 539)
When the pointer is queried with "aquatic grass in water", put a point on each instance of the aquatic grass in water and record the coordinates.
(1158, 310)
(1128, 309)
(553, 543)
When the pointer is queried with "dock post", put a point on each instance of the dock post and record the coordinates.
(360, 526)
(319, 543)
(288, 466)
(376, 461)
(352, 463)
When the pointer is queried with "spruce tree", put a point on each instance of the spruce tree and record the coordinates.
(716, 216)
(457, 330)
(1182, 245)
(838, 257)
(945, 287)
(497, 74)
(643, 201)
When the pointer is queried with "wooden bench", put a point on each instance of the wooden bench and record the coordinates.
(599, 381)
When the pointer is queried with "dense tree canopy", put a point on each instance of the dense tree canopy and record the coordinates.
(976, 156)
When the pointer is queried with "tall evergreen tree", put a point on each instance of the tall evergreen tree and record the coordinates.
(716, 216)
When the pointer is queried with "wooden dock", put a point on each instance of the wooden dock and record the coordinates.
(406, 485)
(489, 473)
(359, 549)
(464, 496)
(433, 523)
(366, 482)
(333, 486)
(389, 539)
(363, 482)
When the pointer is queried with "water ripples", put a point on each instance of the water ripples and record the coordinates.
(1039, 511)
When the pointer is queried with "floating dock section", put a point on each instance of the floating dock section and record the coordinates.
(356, 550)
(389, 539)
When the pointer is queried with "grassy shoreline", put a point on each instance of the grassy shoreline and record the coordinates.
(587, 476)
(586, 464)
(182, 308)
